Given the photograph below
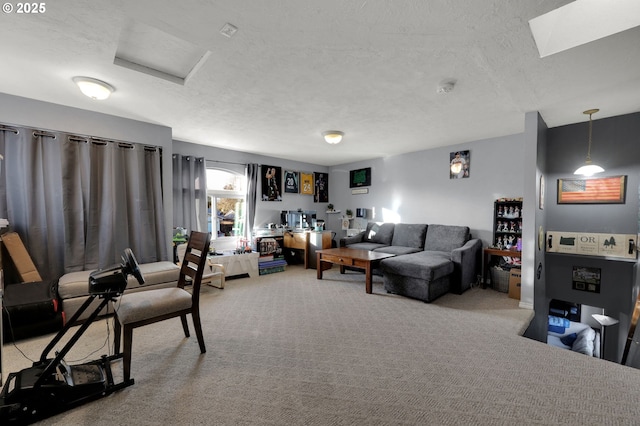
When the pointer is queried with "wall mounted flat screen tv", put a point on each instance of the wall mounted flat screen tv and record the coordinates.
(360, 177)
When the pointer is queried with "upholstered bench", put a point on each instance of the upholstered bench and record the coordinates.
(73, 288)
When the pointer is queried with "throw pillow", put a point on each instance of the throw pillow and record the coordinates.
(569, 339)
(584, 342)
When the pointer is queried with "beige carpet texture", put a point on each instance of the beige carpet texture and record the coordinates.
(288, 349)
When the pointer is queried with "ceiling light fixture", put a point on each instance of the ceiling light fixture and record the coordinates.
(95, 89)
(589, 168)
(333, 136)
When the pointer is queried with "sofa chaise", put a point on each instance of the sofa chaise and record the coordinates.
(429, 261)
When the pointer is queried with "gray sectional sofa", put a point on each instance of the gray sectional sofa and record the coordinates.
(429, 261)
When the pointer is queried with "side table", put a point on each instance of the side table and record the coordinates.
(488, 253)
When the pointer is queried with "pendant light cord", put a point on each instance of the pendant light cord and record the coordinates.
(590, 130)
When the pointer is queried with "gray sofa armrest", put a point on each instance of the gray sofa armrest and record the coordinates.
(467, 261)
(358, 238)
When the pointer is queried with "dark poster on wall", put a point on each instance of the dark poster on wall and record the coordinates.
(360, 177)
(322, 188)
(271, 183)
(291, 182)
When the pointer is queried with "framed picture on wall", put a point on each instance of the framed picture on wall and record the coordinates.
(291, 182)
(541, 195)
(459, 164)
(322, 187)
(360, 177)
(586, 279)
(607, 190)
(271, 183)
(306, 183)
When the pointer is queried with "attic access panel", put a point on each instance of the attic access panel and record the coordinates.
(151, 51)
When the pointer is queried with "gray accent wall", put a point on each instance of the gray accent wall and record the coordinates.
(615, 147)
(533, 263)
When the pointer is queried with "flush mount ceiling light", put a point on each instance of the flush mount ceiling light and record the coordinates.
(333, 136)
(589, 168)
(95, 89)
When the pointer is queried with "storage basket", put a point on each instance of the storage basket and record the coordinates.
(500, 279)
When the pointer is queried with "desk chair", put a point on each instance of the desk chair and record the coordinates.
(149, 306)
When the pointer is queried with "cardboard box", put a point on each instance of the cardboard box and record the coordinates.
(514, 283)
(17, 259)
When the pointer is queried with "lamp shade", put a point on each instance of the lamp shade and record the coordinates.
(93, 88)
(588, 170)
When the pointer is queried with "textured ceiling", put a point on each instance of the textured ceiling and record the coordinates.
(296, 68)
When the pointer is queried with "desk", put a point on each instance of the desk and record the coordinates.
(309, 242)
(488, 253)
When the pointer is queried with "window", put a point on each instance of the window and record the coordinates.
(225, 203)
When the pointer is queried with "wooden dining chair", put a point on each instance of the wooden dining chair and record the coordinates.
(144, 307)
(213, 274)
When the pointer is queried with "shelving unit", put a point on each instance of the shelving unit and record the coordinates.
(507, 222)
(507, 231)
(270, 249)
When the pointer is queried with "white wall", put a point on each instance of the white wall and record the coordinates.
(415, 187)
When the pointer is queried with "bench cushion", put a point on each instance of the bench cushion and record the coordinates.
(76, 284)
(366, 246)
(397, 250)
(428, 266)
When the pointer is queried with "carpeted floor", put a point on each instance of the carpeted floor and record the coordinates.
(287, 349)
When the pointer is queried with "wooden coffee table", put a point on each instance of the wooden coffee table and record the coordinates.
(356, 258)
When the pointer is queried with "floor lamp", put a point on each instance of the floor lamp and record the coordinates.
(604, 321)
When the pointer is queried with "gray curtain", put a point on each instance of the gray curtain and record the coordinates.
(77, 203)
(252, 192)
(189, 193)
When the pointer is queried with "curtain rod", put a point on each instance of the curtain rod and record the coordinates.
(78, 138)
(228, 162)
(44, 134)
(8, 129)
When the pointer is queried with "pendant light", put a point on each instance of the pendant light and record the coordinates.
(589, 168)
